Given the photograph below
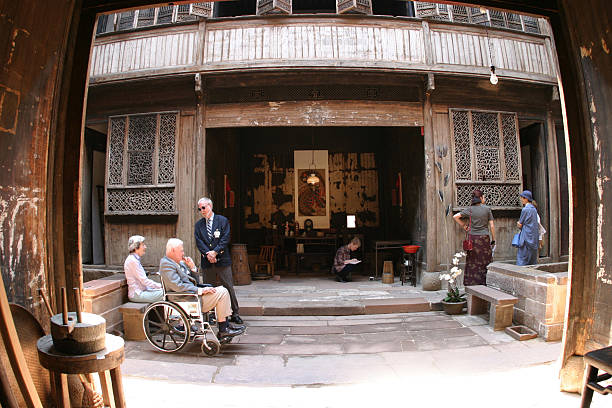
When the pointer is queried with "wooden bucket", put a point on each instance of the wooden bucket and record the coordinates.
(240, 265)
(387, 275)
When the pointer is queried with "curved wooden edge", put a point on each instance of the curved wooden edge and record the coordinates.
(14, 352)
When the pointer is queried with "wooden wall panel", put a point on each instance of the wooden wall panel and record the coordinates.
(156, 235)
(483, 49)
(322, 113)
(317, 41)
(154, 50)
(185, 179)
(323, 41)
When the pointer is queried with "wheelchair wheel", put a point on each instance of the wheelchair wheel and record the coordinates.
(211, 347)
(166, 326)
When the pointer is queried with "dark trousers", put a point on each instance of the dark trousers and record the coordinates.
(346, 272)
(227, 280)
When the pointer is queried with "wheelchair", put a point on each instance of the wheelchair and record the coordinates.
(171, 323)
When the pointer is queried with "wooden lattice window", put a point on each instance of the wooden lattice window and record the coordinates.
(273, 7)
(476, 15)
(354, 7)
(141, 164)
(486, 155)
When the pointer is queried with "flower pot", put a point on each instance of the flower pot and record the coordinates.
(453, 308)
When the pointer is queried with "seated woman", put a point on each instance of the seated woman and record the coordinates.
(140, 288)
(344, 265)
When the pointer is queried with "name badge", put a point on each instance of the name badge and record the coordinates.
(217, 234)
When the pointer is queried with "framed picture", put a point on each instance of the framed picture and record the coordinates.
(311, 196)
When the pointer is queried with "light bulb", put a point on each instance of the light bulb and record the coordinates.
(493, 78)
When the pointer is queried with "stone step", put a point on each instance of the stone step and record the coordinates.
(254, 307)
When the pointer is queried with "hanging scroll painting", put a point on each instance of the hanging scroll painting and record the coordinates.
(312, 199)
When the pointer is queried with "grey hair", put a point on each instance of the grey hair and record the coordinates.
(205, 200)
(134, 242)
(356, 241)
(173, 243)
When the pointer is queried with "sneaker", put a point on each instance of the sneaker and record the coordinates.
(229, 333)
(235, 319)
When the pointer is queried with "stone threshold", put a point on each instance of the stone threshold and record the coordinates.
(250, 307)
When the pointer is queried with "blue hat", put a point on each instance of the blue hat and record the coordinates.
(527, 194)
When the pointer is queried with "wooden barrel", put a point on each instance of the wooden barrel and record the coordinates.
(387, 275)
(240, 265)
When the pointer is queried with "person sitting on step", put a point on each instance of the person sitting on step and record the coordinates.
(174, 269)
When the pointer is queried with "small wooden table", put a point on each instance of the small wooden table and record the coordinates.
(314, 246)
(106, 362)
(381, 245)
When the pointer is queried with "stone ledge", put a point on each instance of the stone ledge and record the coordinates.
(345, 308)
(99, 287)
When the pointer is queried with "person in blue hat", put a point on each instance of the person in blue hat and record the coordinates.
(530, 232)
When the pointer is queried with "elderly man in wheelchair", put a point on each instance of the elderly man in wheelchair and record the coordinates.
(186, 314)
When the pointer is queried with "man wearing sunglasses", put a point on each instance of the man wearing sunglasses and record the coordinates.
(212, 235)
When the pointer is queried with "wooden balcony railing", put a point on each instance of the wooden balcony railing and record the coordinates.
(370, 43)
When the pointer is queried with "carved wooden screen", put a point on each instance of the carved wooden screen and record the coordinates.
(140, 164)
(486, 153)
(274, 7)
(354, 6)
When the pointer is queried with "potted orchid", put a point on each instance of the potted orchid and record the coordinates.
(454, 301)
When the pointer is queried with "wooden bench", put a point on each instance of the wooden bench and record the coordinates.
(132, 320)
(501, 305)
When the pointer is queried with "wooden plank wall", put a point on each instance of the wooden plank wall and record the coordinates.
(156, 235)
(315, 41)
(323, 41)
(185, 181)
(458, 46)
(148, 50)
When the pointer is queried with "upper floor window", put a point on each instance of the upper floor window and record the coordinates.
(476, 15)
(133, 19)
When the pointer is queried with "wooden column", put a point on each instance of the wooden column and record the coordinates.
(584, 61)
(554, 197)
(63, 179)
(200, 188)
(431, 195)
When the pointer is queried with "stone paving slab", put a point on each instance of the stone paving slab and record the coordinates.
(373, 352)
(374, 328)
(317, 330)
(370, 348)
(303, 349)
(325, 339)
(259, 339)
(267, 329)
(160, 370)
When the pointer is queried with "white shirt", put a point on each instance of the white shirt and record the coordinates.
(137, 277)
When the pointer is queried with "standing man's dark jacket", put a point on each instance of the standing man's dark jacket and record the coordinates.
(218, 243)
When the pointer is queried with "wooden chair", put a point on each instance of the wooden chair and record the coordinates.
(264, 266)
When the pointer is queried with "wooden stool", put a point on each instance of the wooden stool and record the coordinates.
(106, 363)
(596, 360)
